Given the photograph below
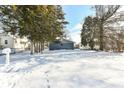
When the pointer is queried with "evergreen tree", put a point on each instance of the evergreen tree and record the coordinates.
(41, 23)
(89, 32)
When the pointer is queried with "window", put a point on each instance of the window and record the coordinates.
(61, 44)
(6, 41)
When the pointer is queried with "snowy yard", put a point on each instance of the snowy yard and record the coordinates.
(63, 69)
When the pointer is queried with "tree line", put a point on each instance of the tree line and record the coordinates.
(39, 23)
(104, 30)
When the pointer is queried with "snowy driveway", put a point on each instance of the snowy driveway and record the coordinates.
(63, 69)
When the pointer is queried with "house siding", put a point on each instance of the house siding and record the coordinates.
(13, 42)
(61, 45)
(9, 41)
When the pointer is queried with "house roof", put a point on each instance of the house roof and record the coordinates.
(64, 41)
(7, 34)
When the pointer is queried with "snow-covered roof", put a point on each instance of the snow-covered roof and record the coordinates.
(65, 40)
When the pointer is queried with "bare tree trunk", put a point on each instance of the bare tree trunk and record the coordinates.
(101, 36)
(118, 46)
(35, 47)
(39, 47)
(32, 48)
(92, 47)
(43, 45)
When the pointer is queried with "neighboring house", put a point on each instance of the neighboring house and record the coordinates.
(61, 44)
(10, 41)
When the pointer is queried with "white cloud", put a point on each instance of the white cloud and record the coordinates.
(77, 27)
(75, 36)
(75, 33)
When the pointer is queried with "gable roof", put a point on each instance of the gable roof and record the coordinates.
(63, 41)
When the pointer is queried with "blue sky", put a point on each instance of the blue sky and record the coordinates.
(75, 15)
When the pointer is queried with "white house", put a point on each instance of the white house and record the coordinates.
(14, 42)
(10, 41)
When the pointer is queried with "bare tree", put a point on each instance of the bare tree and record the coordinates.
(104, 12)
(114, 32)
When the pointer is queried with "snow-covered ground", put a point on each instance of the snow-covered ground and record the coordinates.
(63, 69)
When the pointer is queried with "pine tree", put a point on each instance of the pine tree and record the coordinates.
(41, 23)
(89, 31)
